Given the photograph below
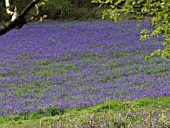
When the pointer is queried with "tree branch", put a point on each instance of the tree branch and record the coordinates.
(8, 11)
(28, 7)
(19, 21)
(37, 12)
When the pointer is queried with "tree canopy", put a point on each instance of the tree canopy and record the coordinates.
(157, 10)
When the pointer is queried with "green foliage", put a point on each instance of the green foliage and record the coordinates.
(1, 11)
(158, 10)
(93, 57)
(21, 4)
(54, 9)
(52, 111)
(60, 7)
(159, 70)
(155, 53)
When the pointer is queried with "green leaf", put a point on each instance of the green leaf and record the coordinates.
(138, 24)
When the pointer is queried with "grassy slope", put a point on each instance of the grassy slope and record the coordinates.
(116, 113)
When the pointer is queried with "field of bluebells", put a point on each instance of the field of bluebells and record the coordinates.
(73, 64)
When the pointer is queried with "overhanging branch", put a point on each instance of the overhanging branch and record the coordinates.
(19, 21)
(29, 7)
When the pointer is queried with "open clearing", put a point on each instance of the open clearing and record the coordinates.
(78, 64)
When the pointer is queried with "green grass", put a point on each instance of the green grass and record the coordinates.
(113, 113)
(94, 57)
(60, 70)
(159, 70)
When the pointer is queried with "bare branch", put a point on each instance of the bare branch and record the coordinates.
(28, 7)
(37, 9)
(15, 14)
(19, 21)
(37, 12)
(8, 11)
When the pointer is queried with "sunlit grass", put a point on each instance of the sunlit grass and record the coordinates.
(143, 113)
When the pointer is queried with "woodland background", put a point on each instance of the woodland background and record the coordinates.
(59, 9)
